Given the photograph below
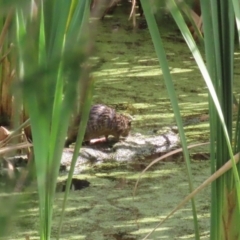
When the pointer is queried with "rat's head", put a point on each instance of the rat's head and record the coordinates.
(124, 125)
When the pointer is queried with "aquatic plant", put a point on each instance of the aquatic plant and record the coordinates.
(52, 48)
(218, 29)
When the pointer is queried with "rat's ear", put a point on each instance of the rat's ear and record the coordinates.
(130, 123)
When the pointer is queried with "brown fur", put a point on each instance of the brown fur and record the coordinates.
(103, 121)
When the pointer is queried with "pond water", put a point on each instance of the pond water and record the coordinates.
(129, 79)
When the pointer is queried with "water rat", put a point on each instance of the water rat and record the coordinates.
(103, 121)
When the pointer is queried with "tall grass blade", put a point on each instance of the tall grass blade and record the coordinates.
(156, 38)
(49, 67)
(81, 10)
(219, 50)
(198, 58)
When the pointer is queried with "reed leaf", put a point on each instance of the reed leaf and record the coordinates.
(219, 32)
(157, 42)
(219, 55)
(198, 58)
(49, 69)
(81, 11)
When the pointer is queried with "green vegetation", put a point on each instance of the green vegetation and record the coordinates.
(54, 62)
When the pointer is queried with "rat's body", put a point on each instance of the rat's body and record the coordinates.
(103, 121)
